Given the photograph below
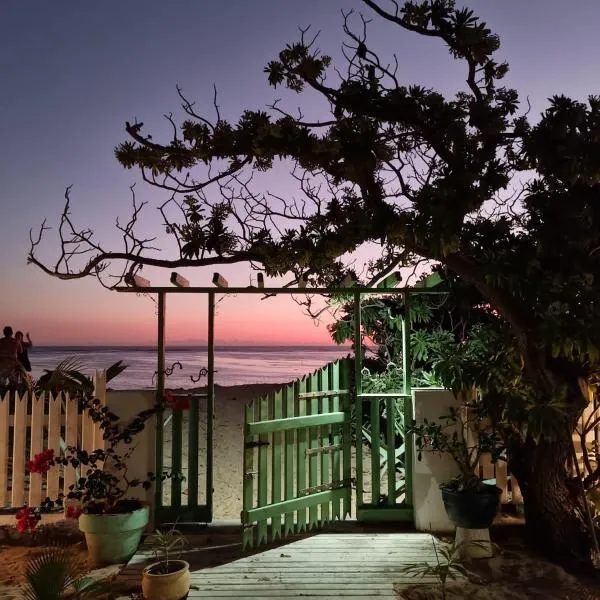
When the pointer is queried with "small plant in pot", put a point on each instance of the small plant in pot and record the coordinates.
(169, 577)
(111, 519)
(464, 436)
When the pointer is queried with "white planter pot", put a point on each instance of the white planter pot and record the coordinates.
(158, 585)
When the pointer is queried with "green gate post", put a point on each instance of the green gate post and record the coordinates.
(358, 400)
(408, 412)
(211, 404)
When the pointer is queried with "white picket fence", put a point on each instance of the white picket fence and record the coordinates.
(30, 424)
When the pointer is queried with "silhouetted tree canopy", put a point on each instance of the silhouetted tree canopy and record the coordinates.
(509, 207)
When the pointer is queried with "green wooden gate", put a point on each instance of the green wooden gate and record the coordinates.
(388, 494)
(384, 458)
(184, 447)
(297, 456)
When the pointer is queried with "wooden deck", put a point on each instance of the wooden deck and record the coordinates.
(327, 565)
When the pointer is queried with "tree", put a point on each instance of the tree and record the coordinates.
(422, 175)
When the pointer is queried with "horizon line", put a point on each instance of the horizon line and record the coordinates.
(190, 345)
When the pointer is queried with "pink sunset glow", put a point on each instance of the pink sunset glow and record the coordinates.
(74, 75)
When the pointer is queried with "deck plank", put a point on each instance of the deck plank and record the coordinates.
(326, 565)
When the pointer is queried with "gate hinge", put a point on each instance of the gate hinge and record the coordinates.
(256, 444)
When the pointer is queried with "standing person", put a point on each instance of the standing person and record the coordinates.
(22, 352)
(9, 348)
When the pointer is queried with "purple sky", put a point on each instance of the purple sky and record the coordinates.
(74, 72)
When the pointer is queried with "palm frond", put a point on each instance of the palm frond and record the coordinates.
(48, 575)
(67, 375)
(115, 369)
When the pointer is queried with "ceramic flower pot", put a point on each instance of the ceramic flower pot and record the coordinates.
(472, 509)
(166, 580)
(113, 538)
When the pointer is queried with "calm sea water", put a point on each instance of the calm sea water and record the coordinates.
(234, 365)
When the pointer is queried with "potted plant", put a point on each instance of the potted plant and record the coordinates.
(169, 577)
(112, 521)
(464, 435)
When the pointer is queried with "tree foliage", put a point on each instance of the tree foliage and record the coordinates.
(508, 206)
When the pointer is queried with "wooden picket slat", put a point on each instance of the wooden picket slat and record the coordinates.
(264, 441)
(517, 497)
(346, 402)
(390, 409)
(54, 421)
(288, 407)
(375, 454)
(276, 460)
(248, 478)
(502, 480)
(4, 406)
(301, 445)
(334, 382)
(325, 438)
(18, 454)
(313, 459)
(487, 466)
(36, 446)
(71, 436)
(100, 394)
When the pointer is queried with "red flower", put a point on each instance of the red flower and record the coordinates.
(27, 519)
(176, 403)
(42, 462)
(73, 512)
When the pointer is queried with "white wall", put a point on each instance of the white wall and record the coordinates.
(433, 469)
(126, 404)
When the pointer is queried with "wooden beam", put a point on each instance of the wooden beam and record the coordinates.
(137, 281)
(364, 291)
(179, 280)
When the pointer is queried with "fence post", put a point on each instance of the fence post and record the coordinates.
(99, 380)
(4, 404)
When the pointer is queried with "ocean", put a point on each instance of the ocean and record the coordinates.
(234, 365)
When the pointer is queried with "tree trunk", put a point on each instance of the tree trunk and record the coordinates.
(554, 511)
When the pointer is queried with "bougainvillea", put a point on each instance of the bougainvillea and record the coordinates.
(176, 403)
(42, 462)
(103, 485)
(27, 519)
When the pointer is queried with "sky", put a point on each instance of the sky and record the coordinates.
(73, 72)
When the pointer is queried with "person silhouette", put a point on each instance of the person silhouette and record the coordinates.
(22, 352)
(9, 348)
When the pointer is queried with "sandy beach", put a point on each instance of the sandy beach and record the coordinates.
(228, 451)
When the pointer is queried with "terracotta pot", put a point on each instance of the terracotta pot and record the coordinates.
(166, 581)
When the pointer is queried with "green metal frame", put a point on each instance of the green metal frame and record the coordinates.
(192, 511)
(389, 510)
